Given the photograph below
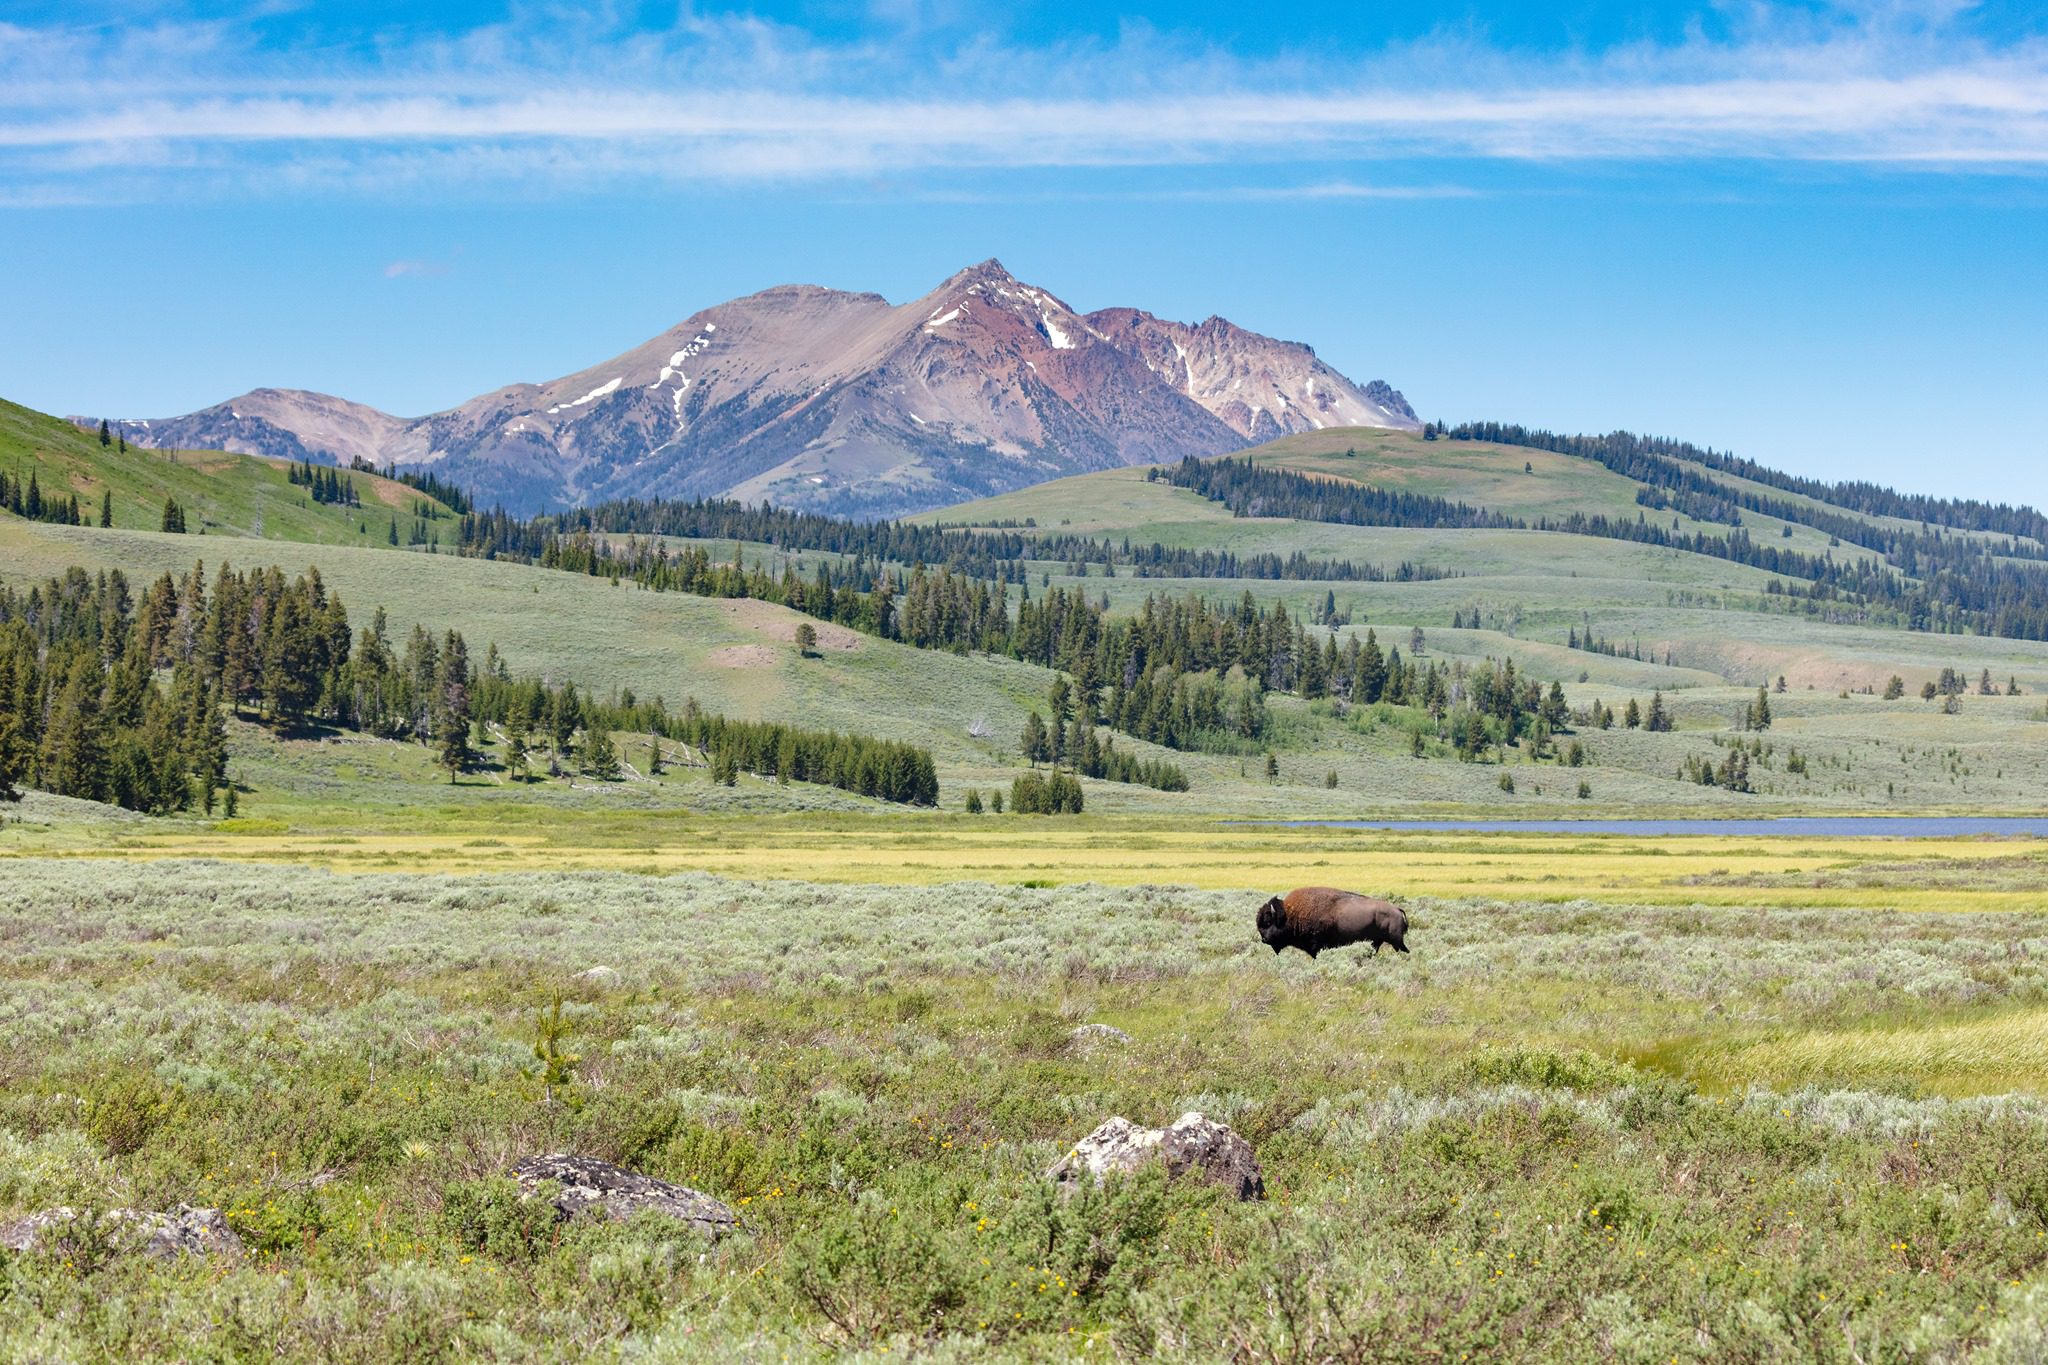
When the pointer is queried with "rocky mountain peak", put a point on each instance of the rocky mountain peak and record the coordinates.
(839, 401)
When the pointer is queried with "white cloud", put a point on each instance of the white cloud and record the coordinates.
(187, 109)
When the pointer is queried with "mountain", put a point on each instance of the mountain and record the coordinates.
(838, 402)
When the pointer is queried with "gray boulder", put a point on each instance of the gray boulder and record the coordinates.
(1191, 1145)
(1088, 1035)
(590, 1187)
(182, 1231)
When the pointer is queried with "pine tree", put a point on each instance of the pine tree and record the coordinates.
(557, 1064)
(106, 509)
(13, 755)
(1632, 717)
(74, 756)
(106, 435)
(1659, 718)
(451, 685)
(600, 756)
(654, 756)
(565, 717)
(1034, 741)
(517, 766)
(291, 675)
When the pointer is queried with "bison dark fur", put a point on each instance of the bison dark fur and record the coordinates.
(1313, 918)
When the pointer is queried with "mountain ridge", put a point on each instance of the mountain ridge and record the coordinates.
(837, 401)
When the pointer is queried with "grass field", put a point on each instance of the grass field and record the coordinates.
(1735, 1126)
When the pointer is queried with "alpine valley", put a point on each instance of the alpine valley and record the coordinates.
(835, 402)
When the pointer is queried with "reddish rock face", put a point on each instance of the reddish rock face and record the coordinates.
(839, 402)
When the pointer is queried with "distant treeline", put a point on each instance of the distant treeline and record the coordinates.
(999, 555)
(1966, 582)
(1960, 586)
(1159, 675)
(325, 484)
(442, 491)
(1618, 449)
(82, 712)
(1251, 490)
(27, 499)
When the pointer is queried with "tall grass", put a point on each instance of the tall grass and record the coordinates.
(1555, 1132)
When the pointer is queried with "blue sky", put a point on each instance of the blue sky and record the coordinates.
(1814, 234)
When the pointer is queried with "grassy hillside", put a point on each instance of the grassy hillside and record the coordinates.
(1514, 480)
(223, 494)
(738, 657)
(1706, 631)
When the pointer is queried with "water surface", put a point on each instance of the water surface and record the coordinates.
(1802, 826)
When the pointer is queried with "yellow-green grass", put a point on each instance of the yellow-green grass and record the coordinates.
(1717, 870)
(223, 494)
(1948, 1053)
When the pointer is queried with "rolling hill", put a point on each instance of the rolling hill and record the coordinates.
(1704, 630)
(837, 401)
(221, 493)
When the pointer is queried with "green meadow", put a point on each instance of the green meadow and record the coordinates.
(1555, 1131)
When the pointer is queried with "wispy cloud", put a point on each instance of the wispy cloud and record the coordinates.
(398, 270)
(192, 109)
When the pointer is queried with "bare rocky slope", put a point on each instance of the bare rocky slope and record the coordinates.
(839, 402)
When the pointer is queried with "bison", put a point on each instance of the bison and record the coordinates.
(1313, 918)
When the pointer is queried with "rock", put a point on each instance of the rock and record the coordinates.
(1099, 1033)
(603, 976)
(183, 1231)
(592, 1187)
(1194, 1144)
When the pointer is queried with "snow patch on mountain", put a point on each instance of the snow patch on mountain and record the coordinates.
(609, 386)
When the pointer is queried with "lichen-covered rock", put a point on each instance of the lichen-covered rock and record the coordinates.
(182, 1231)
(1087, 1035)
(592, 1187)
(1193, 1144)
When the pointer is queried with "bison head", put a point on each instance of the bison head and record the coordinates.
(1273, 924)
